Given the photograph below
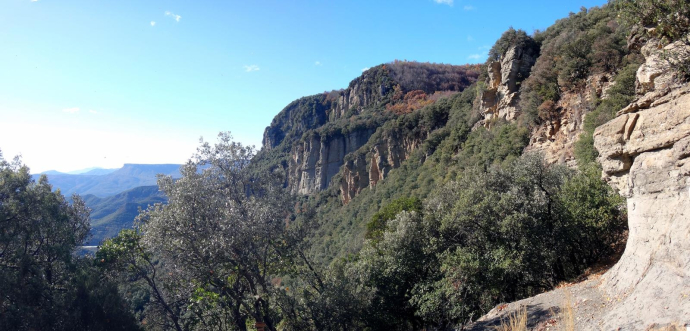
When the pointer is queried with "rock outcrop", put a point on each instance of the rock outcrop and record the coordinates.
(556, 137)
(371, 165)
(645, 154)
(365, 91)
(315, 161)
(298, 117)
(500, 100)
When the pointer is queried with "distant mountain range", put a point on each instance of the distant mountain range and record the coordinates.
(114, 213)
(88, 171)
(107, 182)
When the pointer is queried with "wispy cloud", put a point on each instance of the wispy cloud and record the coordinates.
(175, 17)
(34, 0)
(365, 69)
(71, 110)
(475, 56)
(153, 23)
(470, 38)
(93, 111)
(468, 8)
(252, 67)
(444, 2)
(318, 64)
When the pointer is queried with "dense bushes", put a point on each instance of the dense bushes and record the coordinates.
(513, 38)
(491, 236)
(432, 77)
(574, 48)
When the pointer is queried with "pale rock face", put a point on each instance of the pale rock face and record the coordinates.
(363, 92)
(501, 98)
(383, 157)
(314, 162)
(645, 154)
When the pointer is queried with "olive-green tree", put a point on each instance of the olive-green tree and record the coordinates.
(227, 238)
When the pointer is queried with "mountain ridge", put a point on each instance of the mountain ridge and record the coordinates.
(131, 175)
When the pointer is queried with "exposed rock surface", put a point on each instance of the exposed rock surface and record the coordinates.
(365, 91)
(556, 138)
(644, 153)
(500, 100)
(315, 161)
(312, 136)
(297, 118)
(372, 165)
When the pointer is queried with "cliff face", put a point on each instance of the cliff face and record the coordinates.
(315, 161)
(365, 91)
(372, 164)
(500, 100)
(555, 138)
(644, 153)
(297, 118)
(314, 137)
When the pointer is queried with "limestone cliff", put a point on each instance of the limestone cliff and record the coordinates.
(311, 138)
(644, 153)
(297, 118)
(500, 99)
(372, 164)
(366, 91)
(315, 161)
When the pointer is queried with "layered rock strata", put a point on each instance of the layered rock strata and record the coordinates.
(645, 154)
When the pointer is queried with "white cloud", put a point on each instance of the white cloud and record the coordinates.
(365, 69)
(474, 56)
(93, 111)
(250, 68)
(470, 38)
(71, 110)
(444, 2)
(34, 0)
(175, 17)
(318, 64)
(153, 23)
(469, 8)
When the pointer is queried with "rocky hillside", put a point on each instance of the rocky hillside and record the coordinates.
(315, 138)
(644, 154)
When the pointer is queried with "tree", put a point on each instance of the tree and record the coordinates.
(42, 286)
(666, 21)
(225, 238)
(125, 255)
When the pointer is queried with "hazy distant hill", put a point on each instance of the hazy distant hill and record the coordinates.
(101, 184)
(112, 214)
(53, 172)
(92, 171)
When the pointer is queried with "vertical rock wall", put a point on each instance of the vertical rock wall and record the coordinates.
(645, 154)
(315, 161)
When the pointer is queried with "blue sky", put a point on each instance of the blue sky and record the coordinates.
(100, 83)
